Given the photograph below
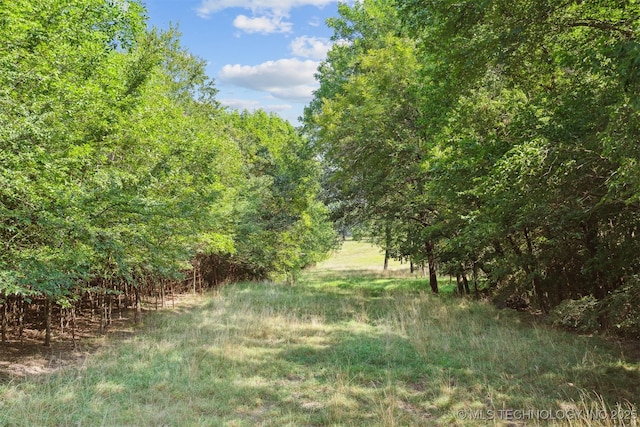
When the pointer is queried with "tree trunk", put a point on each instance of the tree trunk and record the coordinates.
(539, 293)
(599, 285)
(195, 275)
(387, 248)
(465, 283)
(138, 311)
(21, 313)
(173, 298)
(3, 328)
(128, 295)
(92, 304)
(433, 274)
(460, 285)
(103, 313)
(47, 322)
(73, 326)
(63, 315)
(532, 270)
(475, 280)
(119, 295)
(110, 309)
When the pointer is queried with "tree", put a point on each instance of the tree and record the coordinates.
(62, 73)
(376, 173)
(281, 225)
(537, 92)
(119, 170)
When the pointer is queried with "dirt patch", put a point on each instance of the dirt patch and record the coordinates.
(18, 359)
(27, 356)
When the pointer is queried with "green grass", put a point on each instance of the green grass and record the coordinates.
(355, 255)
(359, 265)
(337, 349)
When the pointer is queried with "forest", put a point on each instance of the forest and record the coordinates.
(122, 177)
(493, 141)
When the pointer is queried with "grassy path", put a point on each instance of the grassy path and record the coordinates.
(335, 349)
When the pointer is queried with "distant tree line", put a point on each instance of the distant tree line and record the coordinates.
(120, 173)
(496, 141)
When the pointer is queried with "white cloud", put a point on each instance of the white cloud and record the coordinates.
(268, 16)
(240, 104)
(279, 7)
(262, 24)
(277, 108)
(310, 47)
(315, 22)
(289, 79)
(300, 93)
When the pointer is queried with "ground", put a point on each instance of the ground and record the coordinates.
(26, 356)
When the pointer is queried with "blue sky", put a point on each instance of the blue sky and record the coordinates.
(261, 53)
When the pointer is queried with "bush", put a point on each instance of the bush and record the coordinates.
(579, 314)
(617, 314)
(620, 310)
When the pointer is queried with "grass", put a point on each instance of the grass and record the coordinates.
(354, 255)
(340, 349)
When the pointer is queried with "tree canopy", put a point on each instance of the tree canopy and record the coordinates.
(493, 139)
(118, 165)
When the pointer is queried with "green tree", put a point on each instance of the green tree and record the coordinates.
(63, 87)
(282, 227)
(365, 121)
(119, 169)
(536, 99)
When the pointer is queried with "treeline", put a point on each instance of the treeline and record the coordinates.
(121, 175)
(495, 141)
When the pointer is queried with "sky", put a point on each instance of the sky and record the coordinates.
(261, 53)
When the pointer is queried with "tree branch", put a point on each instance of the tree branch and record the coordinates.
(603, 25)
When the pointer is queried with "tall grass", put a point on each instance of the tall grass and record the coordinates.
(348, 350)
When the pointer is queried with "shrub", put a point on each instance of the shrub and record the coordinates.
(620, 310)
(579, 314)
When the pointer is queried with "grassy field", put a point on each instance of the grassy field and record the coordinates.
(354, 256)
(338, 348)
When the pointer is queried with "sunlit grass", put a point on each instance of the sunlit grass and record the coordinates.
(359, 255)
(350, 350)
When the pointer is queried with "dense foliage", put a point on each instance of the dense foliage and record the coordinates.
(118, 168)
(494, 139)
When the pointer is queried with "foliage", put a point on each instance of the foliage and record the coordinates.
(581, 315)
(620, 310)
(375, 177)
(118, 165)
(503, 138)
(617, 313)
